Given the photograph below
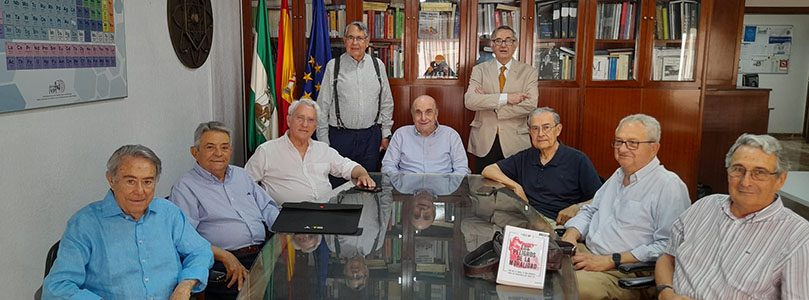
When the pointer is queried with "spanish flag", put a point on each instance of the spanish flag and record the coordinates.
(285, 81)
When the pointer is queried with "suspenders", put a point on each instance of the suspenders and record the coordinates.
(334, 90)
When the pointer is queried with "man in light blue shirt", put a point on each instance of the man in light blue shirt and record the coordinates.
(631, 215)
(426, 146)
(226, 206)
(129, 245)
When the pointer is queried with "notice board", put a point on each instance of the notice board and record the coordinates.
(765, 49)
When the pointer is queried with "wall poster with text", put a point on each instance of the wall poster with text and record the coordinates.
(57, 52)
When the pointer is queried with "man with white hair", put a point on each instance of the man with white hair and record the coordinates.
(631, 215)
(295, 168)
(742, 245)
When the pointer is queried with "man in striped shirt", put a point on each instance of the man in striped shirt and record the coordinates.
(743, 245)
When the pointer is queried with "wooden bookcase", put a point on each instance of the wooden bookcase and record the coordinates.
(667, 73)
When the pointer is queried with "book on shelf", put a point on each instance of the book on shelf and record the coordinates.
(670, 68)
(523, 258)
(545, 21)
(440, 23)
(574, 7)
(374, 6)
(557, 20)
(493, 15)
(677, 18)
(565, 20)
(600, 67)
(436, 6)
(616, 20)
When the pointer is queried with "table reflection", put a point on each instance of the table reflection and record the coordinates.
(415, 234)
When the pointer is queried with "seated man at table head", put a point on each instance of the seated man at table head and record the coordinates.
(554, 178)
(295, 168)
(425, 146)
(742, 245)
(226, 207)
(631, 214)
(129, 245)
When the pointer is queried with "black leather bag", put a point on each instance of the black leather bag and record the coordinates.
(483, 262)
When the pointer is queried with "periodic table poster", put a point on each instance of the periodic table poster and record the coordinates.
(57, 52)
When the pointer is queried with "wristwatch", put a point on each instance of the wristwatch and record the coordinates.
(661, 287)
(616, 258)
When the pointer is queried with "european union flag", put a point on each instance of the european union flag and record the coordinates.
(319, 52)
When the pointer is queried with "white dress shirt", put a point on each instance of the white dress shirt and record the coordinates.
(289, 178)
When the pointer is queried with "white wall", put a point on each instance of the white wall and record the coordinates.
(788, 96)
(52, 160)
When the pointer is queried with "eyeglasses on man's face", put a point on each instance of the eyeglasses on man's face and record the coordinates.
(545, 128)
(758, 174)
(355, 39)
(507, 42)
(631, 145)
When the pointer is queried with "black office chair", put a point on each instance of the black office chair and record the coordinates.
(637, 283)
(49, 259)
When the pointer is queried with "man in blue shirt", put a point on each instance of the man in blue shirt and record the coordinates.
(552, 177)
(226, 206)
(426, 146)
(129, 245)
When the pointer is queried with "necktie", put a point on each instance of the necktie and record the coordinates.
(502, 77)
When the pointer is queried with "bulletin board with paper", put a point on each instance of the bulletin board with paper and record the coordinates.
(765, 49)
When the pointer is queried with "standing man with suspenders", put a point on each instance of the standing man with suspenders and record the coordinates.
(356, 102)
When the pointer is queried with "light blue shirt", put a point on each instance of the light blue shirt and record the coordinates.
(229, 214)
(105, 253)
(440, 152)
(636, 217)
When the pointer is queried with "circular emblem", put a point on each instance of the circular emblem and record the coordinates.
(191, 30)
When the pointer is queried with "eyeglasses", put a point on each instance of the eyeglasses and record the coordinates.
(758, 174)
(631, 145)
(546, 128)
(301, 119)
(356, 39)
(507, 42)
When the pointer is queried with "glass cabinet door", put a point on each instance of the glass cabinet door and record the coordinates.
(555, 27)
(675, 32)
(386, 28)
(616, 36)
(490, 15)
(439, 35)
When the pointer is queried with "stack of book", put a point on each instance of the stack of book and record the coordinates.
(616, 20)
(384, 21)
(439, 20)
(555, 63)
(496, 13)
(676, 18)
(613, 64)
(557, 19)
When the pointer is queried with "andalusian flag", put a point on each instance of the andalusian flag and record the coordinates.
(262, 124)
(286, 67)
(319, 52)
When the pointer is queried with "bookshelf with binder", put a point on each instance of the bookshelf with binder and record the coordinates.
(555, 32)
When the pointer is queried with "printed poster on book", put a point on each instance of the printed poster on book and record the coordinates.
(765, 49)
(58, 52)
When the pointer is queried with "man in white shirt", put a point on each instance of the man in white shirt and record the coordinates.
(295, 168)
(631, 214)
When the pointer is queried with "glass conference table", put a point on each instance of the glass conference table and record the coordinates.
(415, 235)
